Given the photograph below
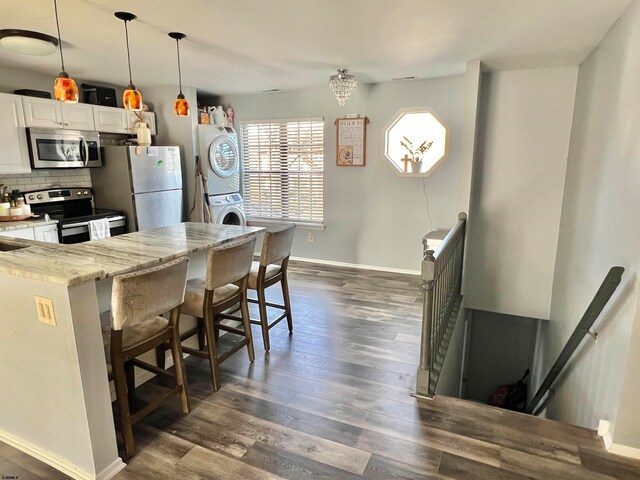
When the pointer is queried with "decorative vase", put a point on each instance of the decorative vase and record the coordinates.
(219, 117)
(144, 134)
(415, 167)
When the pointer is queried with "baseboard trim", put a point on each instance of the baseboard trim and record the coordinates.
(624, 451)
(356, 265)
(111, 470)
(60, 463)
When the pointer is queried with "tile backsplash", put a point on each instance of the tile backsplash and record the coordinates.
(42, 179)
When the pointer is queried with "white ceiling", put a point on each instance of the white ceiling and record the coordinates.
(236, 46)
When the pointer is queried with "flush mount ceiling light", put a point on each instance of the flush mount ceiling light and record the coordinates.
(342, 85)
(131, 98)
(181, 106)
(28, 42)
(65, 87)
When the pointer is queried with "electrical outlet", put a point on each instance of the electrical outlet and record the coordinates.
(311, 238)
(46, 314)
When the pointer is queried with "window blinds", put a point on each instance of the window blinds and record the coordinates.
(283, 164)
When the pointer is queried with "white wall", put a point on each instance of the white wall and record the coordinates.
(600, 227)
(372, 217)
(525, 123)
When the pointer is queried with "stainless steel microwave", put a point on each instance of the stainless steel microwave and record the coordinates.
(64, 148)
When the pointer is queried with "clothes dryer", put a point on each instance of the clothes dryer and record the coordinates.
(227, 209)
(219, 151)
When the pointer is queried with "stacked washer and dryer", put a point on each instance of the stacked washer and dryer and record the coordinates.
(219, 150)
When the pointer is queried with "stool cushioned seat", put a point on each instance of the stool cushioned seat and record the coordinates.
(194, 296)
(131, 336)
(253, 276)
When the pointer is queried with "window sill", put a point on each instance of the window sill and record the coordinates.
(269, 222)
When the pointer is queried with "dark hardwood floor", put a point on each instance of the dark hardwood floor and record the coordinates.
(332, 401)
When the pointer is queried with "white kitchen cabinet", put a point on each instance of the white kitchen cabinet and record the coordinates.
(78, 116)
(42, 112)
(46, 113)
(46, 233)
(149, 119)
(26, 233)
(14, 152)
(111, 119)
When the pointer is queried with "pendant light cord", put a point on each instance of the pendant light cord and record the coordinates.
(126, 35)
(179, 70)
(55, 6)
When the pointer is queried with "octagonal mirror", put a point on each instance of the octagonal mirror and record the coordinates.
(416, 141)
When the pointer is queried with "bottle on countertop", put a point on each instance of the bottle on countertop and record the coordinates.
(15, 194)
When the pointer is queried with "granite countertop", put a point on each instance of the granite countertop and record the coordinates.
(32, 222)
(98, 259)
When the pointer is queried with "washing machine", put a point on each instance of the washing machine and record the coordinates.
(227, 209)
(219, 151)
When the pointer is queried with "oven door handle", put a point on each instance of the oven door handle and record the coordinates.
(84, 224)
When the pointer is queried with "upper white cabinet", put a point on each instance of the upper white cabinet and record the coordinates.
(111, 120)
(42, 112)
(45, 113)
(149, 119)
(14, 152)
(78, 116)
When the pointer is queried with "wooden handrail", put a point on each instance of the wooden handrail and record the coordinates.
(442, 279)
(602, 296)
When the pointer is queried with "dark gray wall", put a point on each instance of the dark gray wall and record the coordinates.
(501, 348)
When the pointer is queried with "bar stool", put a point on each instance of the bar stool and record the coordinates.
(271, 269)
(207, 299)
(137, 300)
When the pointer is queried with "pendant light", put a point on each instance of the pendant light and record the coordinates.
(131, 98)
(65, 87)
(181, 106)
(342, 85)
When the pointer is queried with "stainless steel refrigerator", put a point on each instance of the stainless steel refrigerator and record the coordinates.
(145, 182)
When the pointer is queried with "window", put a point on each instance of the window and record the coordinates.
(283, 164)
(416, 141)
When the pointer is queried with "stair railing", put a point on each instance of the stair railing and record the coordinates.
(602, 296)
(441, 280)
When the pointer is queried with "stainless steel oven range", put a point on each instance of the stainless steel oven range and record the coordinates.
(73, 208)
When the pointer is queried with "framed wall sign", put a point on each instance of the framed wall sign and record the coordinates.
(351, 135)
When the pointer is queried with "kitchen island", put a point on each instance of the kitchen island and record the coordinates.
(55, 403)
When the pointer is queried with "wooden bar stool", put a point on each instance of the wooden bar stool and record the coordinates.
(138, 299)
(207, 299)
(271, 269)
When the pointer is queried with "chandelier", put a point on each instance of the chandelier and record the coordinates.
(342, 85)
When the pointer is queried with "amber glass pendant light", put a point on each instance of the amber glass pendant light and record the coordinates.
(131, 98)
(65, 87)
(181, 106)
